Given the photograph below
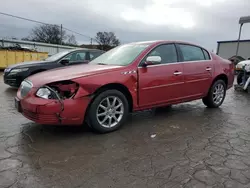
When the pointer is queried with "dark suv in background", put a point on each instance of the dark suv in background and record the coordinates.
(15, 74)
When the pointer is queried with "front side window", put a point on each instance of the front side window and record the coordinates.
(76, 56)
(57, 56)
(167, 52)
(191, 53)
(122, 55)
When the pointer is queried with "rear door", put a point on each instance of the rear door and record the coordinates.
(198, 69)
(161, 83)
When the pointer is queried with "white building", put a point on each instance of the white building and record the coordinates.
(227, 49)
(39, 46)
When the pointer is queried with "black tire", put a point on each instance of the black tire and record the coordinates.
(92, 117)
(240, 77)
(208, 100)
(205, 101)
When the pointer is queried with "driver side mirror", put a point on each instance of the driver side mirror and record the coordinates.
(152, 60)
(64, 61)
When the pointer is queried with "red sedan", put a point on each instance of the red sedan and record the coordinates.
(128, 78)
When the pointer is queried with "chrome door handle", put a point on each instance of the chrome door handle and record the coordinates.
(177, 73)
(208, 69)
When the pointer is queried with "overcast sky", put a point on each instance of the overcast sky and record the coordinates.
(202, 22)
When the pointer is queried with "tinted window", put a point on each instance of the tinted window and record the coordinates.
(167, 52)
(57, 56)
(191, 53)
(206, 54)
(76, 56)
(94, 55)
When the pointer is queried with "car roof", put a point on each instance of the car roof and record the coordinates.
(163, 41)
(86, 49)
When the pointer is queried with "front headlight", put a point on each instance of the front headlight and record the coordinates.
(14, 71)
(43, 93)
(58, 90)
(7, 70)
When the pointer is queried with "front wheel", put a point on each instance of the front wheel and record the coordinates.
(108, 111)
(216, 94)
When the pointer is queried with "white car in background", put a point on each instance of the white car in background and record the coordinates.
(239, 67)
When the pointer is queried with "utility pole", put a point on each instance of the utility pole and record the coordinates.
(61, 34)
(91, 42)
(243, 20)
(238, 42)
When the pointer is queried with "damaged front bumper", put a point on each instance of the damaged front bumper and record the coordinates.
(53, 111)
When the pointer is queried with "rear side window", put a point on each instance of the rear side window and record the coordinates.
(206, 54)
(191, 53)
(95, 54)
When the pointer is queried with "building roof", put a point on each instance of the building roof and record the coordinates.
(230, 41)
(89, 45)
(237, 57)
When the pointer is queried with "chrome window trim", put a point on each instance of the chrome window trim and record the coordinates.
(182, 62)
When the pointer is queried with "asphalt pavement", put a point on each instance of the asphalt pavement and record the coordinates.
(186, 145)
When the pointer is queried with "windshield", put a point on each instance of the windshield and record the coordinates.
(121, 55)
(57, 56)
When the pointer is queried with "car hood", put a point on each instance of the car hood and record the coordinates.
(68, 73)
(28, 64)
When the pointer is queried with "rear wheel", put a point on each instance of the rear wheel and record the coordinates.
(108, 111)
(216, 94)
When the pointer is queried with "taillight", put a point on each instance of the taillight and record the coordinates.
(232, 67)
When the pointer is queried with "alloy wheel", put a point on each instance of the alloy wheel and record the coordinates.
(110, 111)
(218, 93)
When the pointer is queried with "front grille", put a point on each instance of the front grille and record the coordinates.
(25, 87)
(11, 82)
(44, 118)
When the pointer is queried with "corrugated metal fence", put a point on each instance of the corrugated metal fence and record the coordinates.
(38, 46)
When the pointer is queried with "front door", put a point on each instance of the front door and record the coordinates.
(161, 83)
(198, 70)
(77, 58)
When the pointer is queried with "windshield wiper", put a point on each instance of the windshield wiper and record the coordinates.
(101, 64)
